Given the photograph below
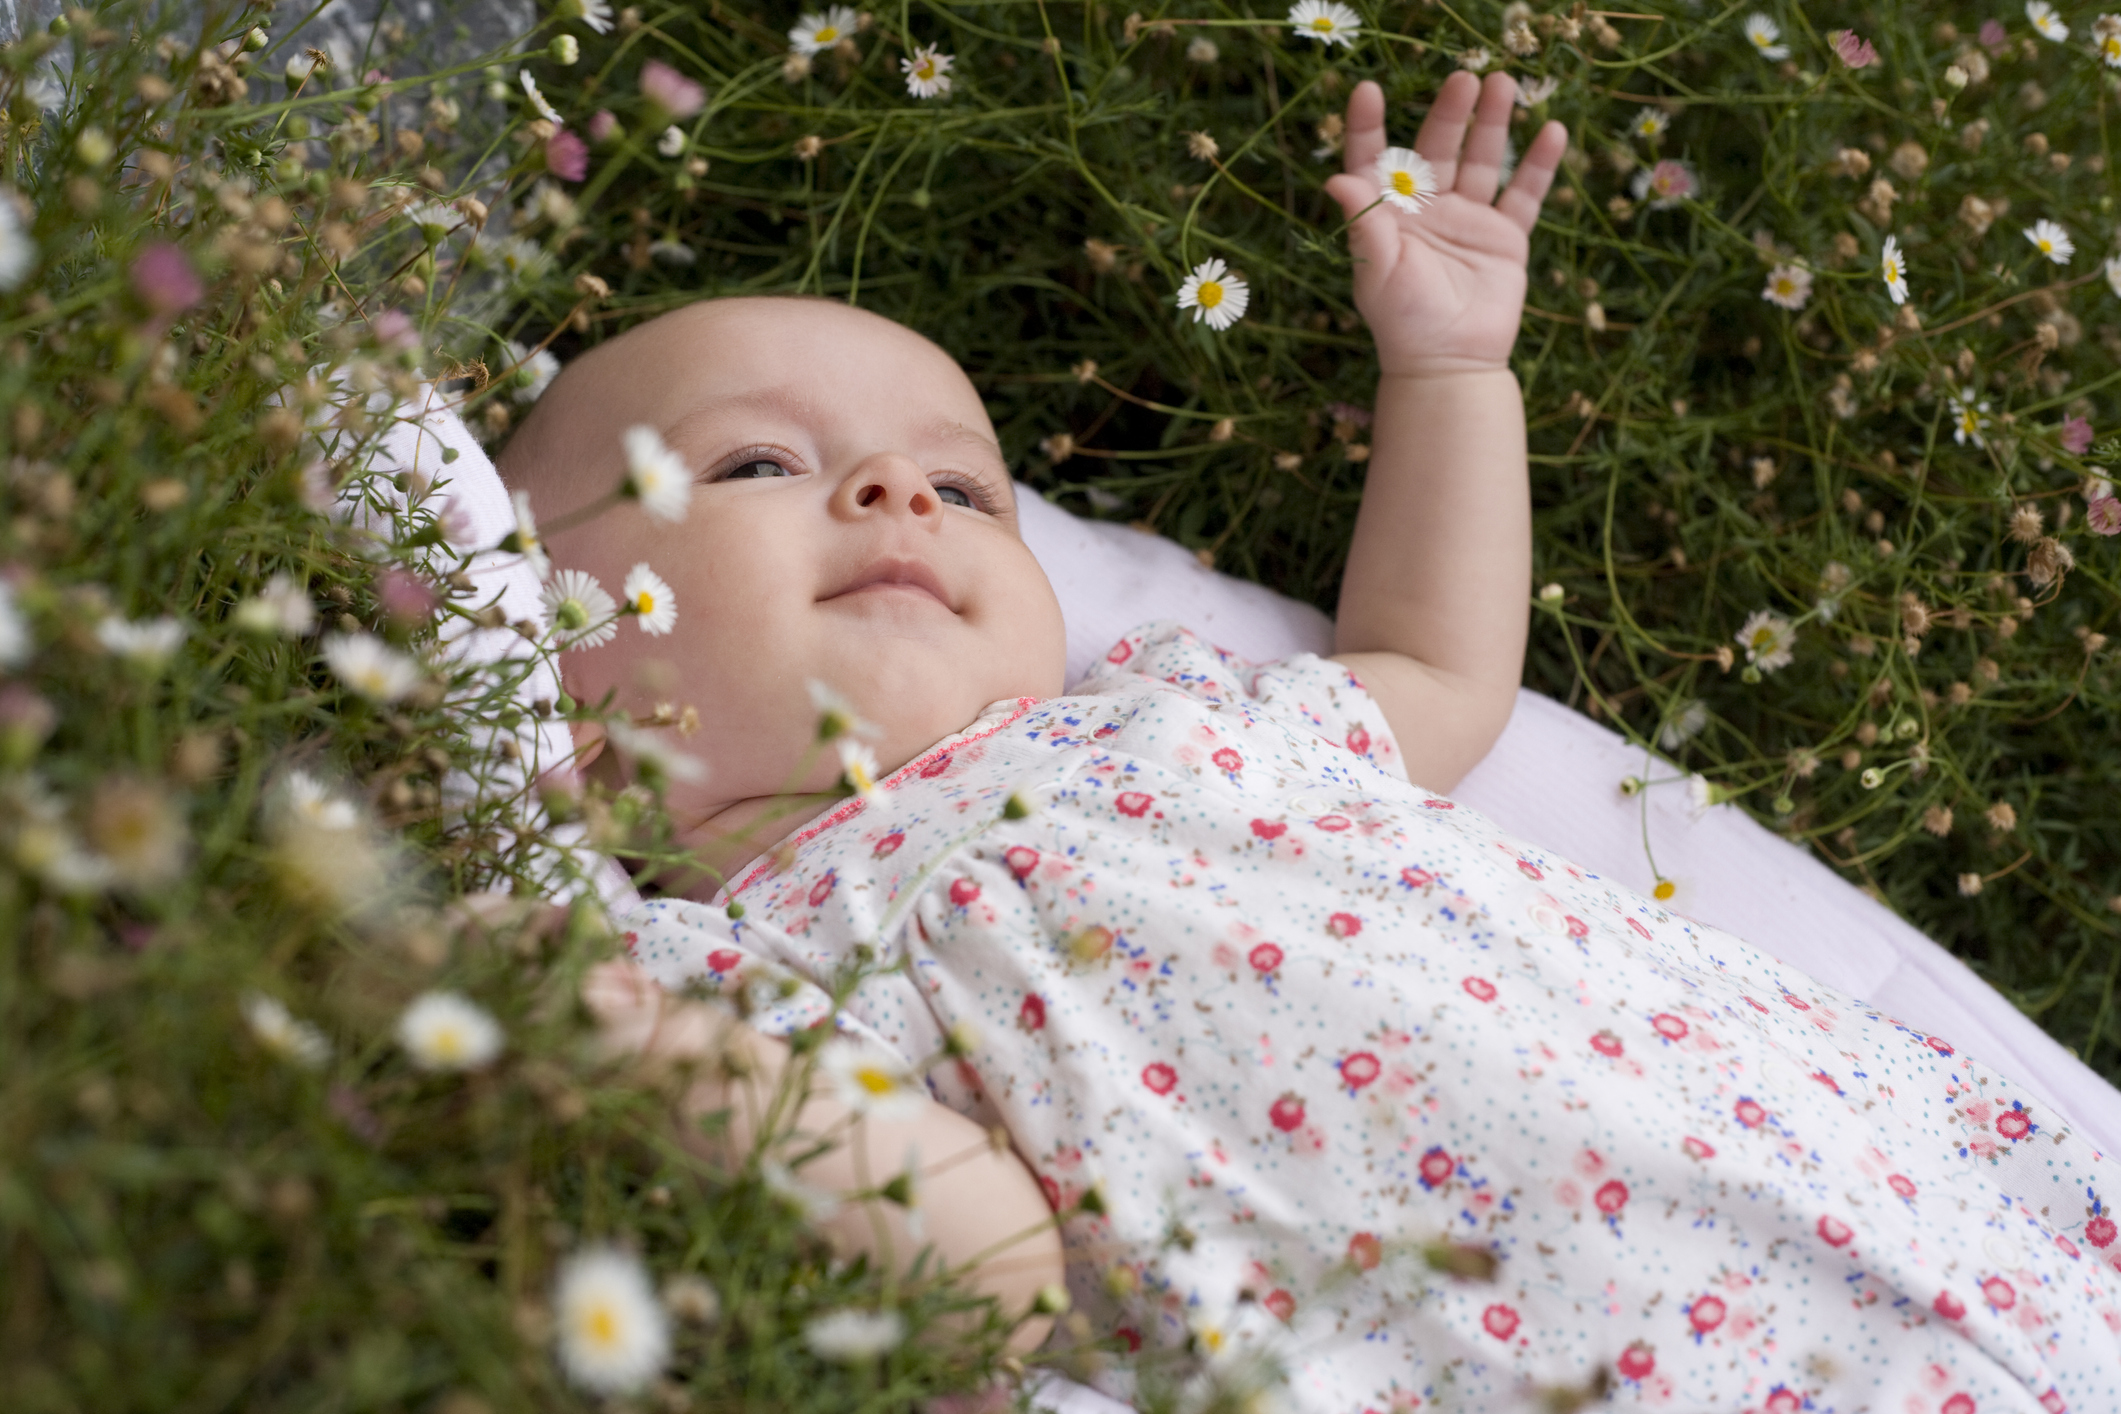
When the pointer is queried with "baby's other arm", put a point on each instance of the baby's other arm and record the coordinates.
(1432, 606)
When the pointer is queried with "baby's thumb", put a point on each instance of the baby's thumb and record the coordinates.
(1368, 232)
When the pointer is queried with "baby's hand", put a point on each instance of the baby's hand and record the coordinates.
(1443, 290)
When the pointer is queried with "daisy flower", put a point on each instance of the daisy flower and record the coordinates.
(857, 766)
(1650, 123)
(655, 475)
(594, 14)
(2113, 273)
(534, 371)
(1768, 640)
(15, 640)
(2046, 20)
(650, 601)
(578, 613)
(1534, 92)
(537, 100)
(1892, 270)
(613, 1335)
(670, 91)
(653, 756)
(283, 1033)
(870, 1080)
(18, 252)
(1765, 36)
(927, 72)
(814, 34)
(449, 1031)
(855, 1337)
(815, 1205)
(672, 142)
(1969, 418)
(521, 259)
(305, 800)
(2106, 38)
(1789, 286)
(836, 716)
(145, 643)
(1666, 184)
(1327, 21)
(1405, 179)
(1852, 48)
(1215, 295)
(2051, 241)
(2103, 514)
(1690, 722)
(524, 541)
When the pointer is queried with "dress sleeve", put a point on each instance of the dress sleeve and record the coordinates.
(1305, 692)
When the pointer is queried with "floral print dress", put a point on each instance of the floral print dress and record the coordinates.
(1442, 1119)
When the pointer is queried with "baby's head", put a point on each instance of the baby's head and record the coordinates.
(852, 521)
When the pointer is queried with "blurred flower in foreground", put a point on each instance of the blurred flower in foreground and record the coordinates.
(1533, 92)
(1214, 295)
(164, 279)
(673, 93)
(369, 666)
(1666, 184)
(814, 34)
(1969, 417)
(1650, 123)
(524, 541)
(534, 371)
(537, 100)
(614, 1336)
(655, 475)
(566, 156)
(1768, 640)
(138, 831)
(2046, 21)
(855, 1337)
(1892, 271)
(578, 611)
(283, 1033)
(2075, 436)
(836, 716)
(672, 142)
(1684, 727)
(595, 14)
(15, 639)
(322, 850)
(1327, 21)
(1852, 48)
(2106, 38)
(653, 756)
(145, 643)
(927, 72)
(857, 766)
(1405, 179)
(448, 1031)
(1789, 286)
(649, 599)
(2051, 241)
(2103, 514)
(868, 1079)
(1765, 36)
(280, 607)
(18, 252)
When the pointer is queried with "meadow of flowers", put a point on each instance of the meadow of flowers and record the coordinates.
(303, 1105)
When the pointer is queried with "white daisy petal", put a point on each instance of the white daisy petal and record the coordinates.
(649, 599)
(613, 1334)
(814, 34)
(2052, 241)
(870, 1080)
(1768, 639)
(1765, 36)
(855, 1337)
(537, 100)
(369, 666)
(1214, 295)
(1327, 21)
(656, 476)
(1789, 286)
(927, 72)
(2046, 21)
(1893, 269)
(449, 1031)
(578, 611)
(1405, 179)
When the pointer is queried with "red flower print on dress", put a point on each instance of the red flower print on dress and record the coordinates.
(1577, 927)
(1437, 1166)
(1416, 878)
(1698, 1148)
(2069, 1248)
(1783, 1401)
(822, 889)
(1051, 1188)
(1499, 1321)
(1121, 652)
(1901, 1184)
(2013, 1124)
(889, 844)
(1021, 859)
(1264, 958)
(963, 891)
(1669, 1026)
(1359, 740)
(1797, 1002)
(2052, 1401)
(1756, 1006)
(1480, 989)
(1343, 925)
(1611, 1197)
(1749, 1113)
(1032, 1014)
(1637, 926)
(1134, 804)
(1960, 1403)
(1607, 1044)
(1637, 1362)
(1833, 1231)
(1949, 1306)
(1281, 1303)
(1159, 1077)
(1228, 760)
(1938, 1044)
(1269, 830)
(1529, 869)
(1706, 1313)
(1334, 824)
(1434, 804)
(725, 959)
(936, 767)
(1365, 1251)
(1359, 1070)
(1999, 1293)
(1287, 1113)
(2099, 1232)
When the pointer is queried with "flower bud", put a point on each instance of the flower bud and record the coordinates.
(1873, 778)
(564, 49)
(1551, 594)
(1954, 76)
(93, 147)
(255, 39)
(1052, 1299)
(734, 911)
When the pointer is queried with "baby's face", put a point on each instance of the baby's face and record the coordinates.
(852, 522)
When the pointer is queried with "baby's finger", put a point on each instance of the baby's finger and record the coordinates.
(1480, 169)
(1444, 130)
(1366, 129)
(1373, 239)
(1520, 202)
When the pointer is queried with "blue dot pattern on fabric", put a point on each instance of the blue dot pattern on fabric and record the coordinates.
(1301, 1020)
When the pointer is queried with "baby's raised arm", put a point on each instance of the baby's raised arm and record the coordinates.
(1432, 607)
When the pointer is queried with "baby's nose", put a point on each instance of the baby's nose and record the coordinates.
(888, 484)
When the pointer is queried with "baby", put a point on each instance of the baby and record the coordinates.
(1311, 1062)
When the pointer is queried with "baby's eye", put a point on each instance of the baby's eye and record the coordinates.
(955, 496)
(756, 468)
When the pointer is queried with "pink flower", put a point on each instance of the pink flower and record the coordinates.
(1359, 741)
(1269, 830)
(671, 91)
(1994, 38)
(1264, 958)
(1698, 1148)
(2076, 436)
(1228, 760)
(1637, 1362)
(405, 597)
(1666, 184)
(603, 127)
(1343, 925)
(1365, 1251)
(394, 329)
(1530, 870)
(1334, 824)
(1480, 989)
(1901, 1185)
(1611, 1197)
(1348, 412)
(1834, 1232)
(1437, 1166)
(1962, 1402)
(1021, 859)
(963, 891)
(2104, 515)
(1783, 1401)
(1706, 1313)
(1669, 1026)
(1032, 1014)
(1499, 1321)
(1281, 1303)
(1999, 1293)
(889, 844)
(1948, 1306)
(822, 889)
(1159, 1077)
(1938, 1044)
(566, 156)
(1852, 48)
(1134, 804)
(2099, 1232)
(164, 279)
(1749, 1113)
(1359, 1070)
(1287, 1113)
(1416, 878)
(2069, 1248)
(1607, 1044)
(2012, 1124)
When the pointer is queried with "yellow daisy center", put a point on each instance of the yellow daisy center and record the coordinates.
(828, 34)
(1210, 294)
(447, 1044)
(1763, 636)
(875, 1081)
(644, 602)
(2111, 46)
(603, 1326)
(2047, 247)
(1323, 24)
(924, 70)
(1785, 286)
(1892, 270)
(1403, 183)
(1664, 889)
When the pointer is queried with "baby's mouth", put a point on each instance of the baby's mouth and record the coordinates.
(895, 575)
